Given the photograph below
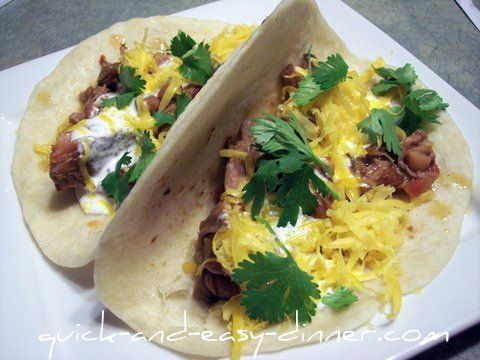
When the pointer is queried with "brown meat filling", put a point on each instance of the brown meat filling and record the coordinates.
(214, 283)
(414, 171)
(65, 163)
(107, 81)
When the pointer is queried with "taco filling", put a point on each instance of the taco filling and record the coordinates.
(105, 148)
(317, 196)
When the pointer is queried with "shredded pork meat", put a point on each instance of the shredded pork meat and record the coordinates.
(214, 283)
(65, 163)
(108, 74)
(414, 171)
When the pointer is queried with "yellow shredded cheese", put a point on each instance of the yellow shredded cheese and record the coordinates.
(223, 44)
(44, 151)
(238, 321)
(141, 57)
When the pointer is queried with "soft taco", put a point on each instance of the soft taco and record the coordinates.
(122, 89)
(326, 187)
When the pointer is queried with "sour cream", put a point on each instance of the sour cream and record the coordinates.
(103, 140)
(284, 233)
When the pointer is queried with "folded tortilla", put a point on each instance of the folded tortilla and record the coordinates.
(138, 271)
(65, 234)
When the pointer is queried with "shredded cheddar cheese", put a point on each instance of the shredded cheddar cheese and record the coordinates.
(141, 57)
(44, 151)
(228, 40)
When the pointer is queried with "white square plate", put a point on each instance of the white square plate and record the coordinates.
(44, 307)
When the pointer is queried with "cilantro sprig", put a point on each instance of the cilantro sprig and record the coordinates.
(424, 104)
(148, 153)
(294, 194)
(380, 126)
(131, 86)
(274, 135)
(117, 183)
(418, 106)
(196, 58)
(340, 298)
(325, 76)
(403, 78)
(275, 287)
(163, 118)
(289, 173)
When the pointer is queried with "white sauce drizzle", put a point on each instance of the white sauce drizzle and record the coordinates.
(103, 140)
(286, 232)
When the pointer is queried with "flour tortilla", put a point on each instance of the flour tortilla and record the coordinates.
(138, 271)
(65, 234)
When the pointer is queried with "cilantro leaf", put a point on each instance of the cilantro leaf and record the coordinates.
(275, 287)
(132, 85)
(340, 298)
(125, 99)
(265, 178)
(109, 101)
(325, 76)
(197, 64)
(403, 77)
(380, 125)
(330, 73)
(163, 118)
(131, 82)
(410, 122)
(418, 105)
(182, 102)
(115, 184)
(294, 193)
(181, 44)
(275, 135)
(297, 127)
(289, 174)
(148, 153)
(307, 91)
(425, 104)
(196, 58)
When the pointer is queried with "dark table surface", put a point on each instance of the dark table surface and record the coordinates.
(435, 31)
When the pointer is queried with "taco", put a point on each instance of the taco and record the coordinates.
(122, 89)
(332, 188)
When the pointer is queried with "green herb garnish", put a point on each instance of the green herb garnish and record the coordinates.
(418, 106)
(403, 77)
(163, 118)
(275, 287)
(294, 193)
(148, 153)
(425, 104)
(325, 76)
(274, 134)
(288, 174)
(340, 298)
(132, 85)
(196, 58)
(181, 44)
(380, 126)
(115, 184)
